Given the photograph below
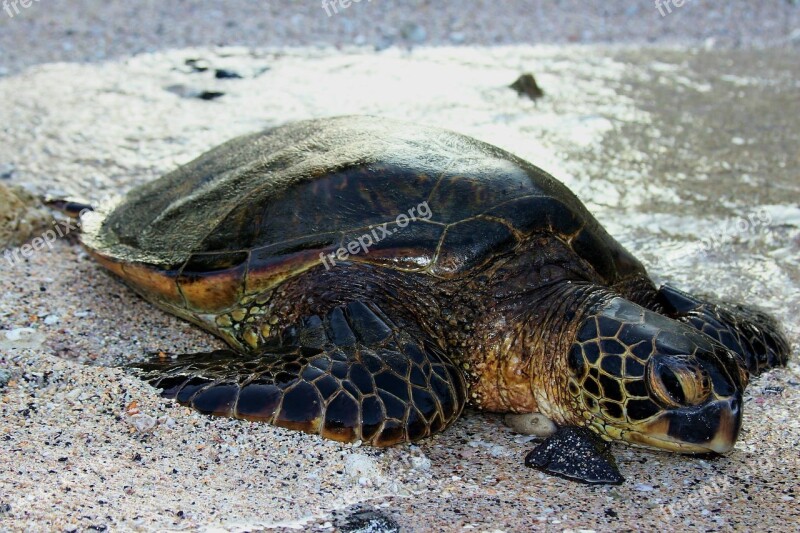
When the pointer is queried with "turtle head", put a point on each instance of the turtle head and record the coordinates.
(643, 378)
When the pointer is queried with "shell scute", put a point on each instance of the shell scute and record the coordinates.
(271, 265)
(550, 214)
(462, 191)
(213, 282)
(469, 244)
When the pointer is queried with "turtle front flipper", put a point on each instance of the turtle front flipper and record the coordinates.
(754, 336)
(576, 453)
(348, 376)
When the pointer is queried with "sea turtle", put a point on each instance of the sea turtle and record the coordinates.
(373, 277)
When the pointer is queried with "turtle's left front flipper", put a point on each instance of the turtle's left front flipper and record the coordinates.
(755, 337)
(347, 376)
(576, 453)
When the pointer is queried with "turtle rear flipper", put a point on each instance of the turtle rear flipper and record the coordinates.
(347, 377)
(754, 336)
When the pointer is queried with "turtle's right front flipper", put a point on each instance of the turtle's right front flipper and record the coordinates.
(347, 377)
(755, 337)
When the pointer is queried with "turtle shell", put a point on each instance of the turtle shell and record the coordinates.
(261, 208)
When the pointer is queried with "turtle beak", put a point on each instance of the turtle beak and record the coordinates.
(712, 427)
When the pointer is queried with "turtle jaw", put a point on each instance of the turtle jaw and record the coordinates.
(710, 428)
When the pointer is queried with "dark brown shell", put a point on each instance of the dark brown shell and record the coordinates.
(261, 208)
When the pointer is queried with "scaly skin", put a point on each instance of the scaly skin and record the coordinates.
(526, 332)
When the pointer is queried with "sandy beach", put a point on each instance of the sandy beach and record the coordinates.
(679, 132)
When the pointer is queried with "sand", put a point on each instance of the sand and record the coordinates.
(92, 30)
(688, 154)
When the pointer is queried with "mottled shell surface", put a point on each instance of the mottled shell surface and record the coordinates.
(259, 209)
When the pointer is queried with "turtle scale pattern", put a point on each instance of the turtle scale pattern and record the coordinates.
(348, 377)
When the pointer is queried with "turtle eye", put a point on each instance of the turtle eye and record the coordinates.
(674, 382)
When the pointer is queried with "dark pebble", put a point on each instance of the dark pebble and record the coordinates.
(197, 65)
(210, 95)
(224, 74)
(526, 86)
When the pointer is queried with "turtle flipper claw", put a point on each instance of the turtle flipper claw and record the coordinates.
(578, 454)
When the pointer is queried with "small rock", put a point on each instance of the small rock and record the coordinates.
(642, 487)
(358, 465)
(142, 423)
(51, 319)
(497, 451)
(531, 424)
(526, 85)
(197, 65)
(210, 95)
(420, 463)
(74, 394)
(19, 333)
(5, 377)
(187, 92)
(225, 74)
(22, 338)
